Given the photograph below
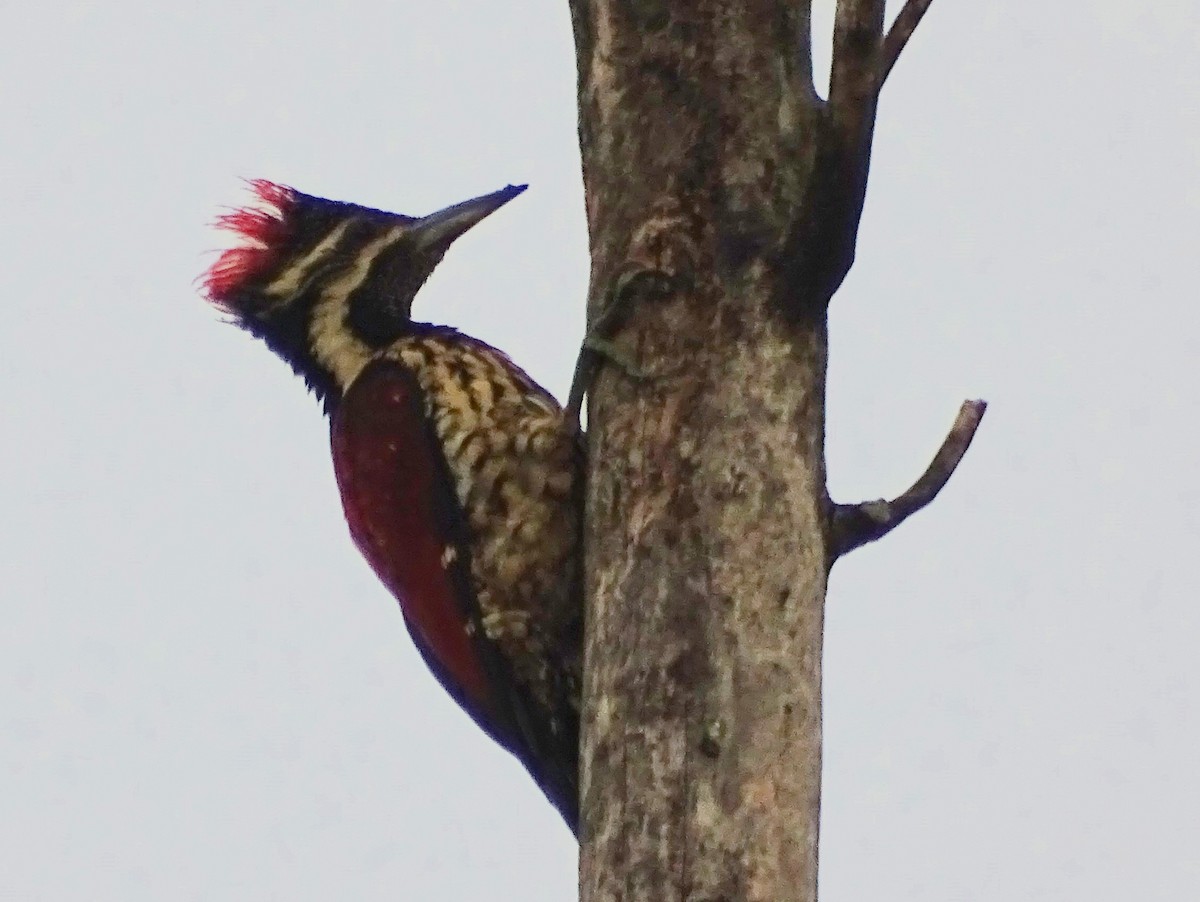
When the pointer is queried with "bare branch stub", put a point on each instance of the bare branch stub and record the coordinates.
(854, 70)
(819, 246)
(857, 524)
(902, 29)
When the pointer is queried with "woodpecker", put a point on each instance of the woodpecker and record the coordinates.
(460, 477)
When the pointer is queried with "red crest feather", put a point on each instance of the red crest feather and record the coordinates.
(262, 230)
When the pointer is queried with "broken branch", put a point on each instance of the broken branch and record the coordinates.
(856, 524)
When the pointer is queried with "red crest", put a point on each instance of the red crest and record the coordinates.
(262, 229)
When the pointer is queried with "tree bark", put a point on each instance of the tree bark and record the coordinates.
(723, 198)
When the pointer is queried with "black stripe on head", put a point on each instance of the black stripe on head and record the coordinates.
(381, 308)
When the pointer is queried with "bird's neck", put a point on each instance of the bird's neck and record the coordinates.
(335, 348)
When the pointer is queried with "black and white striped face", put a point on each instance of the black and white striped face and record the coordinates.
(327, 284)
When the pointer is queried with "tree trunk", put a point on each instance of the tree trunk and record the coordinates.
(723, 197)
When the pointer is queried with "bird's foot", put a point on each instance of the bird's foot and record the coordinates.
(599, 347)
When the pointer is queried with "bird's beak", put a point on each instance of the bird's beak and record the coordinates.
(435, 232)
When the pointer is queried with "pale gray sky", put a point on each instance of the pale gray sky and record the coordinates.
(205, 694)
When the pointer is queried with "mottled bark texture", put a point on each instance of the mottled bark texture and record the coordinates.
(723, 199)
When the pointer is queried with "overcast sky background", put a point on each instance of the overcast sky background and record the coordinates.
(205, 694)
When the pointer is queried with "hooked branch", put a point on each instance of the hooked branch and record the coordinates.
(857, 524)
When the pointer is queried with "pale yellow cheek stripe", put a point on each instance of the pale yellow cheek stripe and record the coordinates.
(291, 281)
(336, 348)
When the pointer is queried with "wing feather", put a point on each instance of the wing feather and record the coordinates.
(406, 520)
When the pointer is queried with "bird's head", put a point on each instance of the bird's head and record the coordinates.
(328, 284)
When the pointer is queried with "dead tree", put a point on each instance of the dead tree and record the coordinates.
(723, 200)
